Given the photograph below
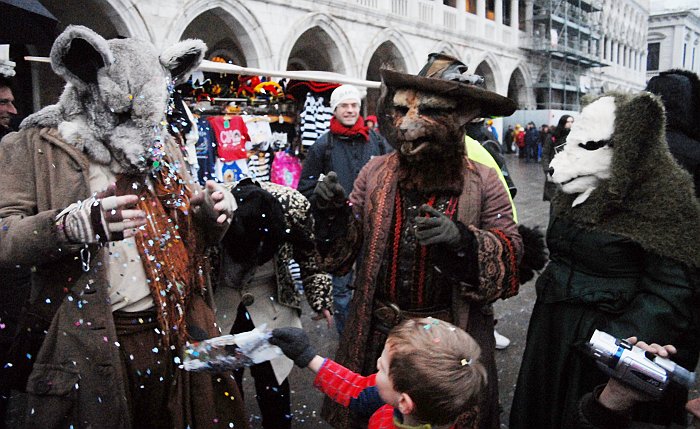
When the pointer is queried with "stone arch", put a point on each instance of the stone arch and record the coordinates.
(446, 47)
(492, 73)
(400, 48)
(226, 26)
(109, 18)
(518, 88)
(387, 54)
(318, 42)
(485, 70)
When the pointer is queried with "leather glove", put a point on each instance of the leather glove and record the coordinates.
(294, 344)
(433, 227)
(101, 218)
(329, 193)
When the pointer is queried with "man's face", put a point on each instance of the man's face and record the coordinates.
(347, 112)
(7, 108)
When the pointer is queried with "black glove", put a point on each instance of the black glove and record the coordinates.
(329, 193)
(436, 228)
(294, 344)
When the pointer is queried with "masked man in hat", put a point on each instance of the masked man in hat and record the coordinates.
(434, 230)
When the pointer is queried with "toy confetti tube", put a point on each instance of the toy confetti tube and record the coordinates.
(230, 352)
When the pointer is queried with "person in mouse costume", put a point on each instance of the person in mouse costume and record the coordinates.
(434, 229)
(624, 257)
(98, 200)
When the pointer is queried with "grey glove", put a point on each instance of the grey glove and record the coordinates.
(294, 344)
(328, 192)
(435, 228)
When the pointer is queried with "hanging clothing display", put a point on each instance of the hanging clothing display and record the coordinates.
(231, 136)
(259, 163)
(286, 169)
(206, 151)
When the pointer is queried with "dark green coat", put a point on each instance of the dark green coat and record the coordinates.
(626, 262)
(597, 280)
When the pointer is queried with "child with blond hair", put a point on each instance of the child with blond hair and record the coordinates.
(428, 375)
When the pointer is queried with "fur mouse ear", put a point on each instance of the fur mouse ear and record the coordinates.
(183, 58)
(77, 55)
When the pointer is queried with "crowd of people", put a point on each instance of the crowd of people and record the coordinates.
(405, 233)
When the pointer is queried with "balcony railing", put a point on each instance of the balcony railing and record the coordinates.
(368, 3)
(425, 11)
(432, 13)
(399, 7)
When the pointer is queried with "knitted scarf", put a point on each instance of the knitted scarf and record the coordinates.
(167, 245)
(359, 129)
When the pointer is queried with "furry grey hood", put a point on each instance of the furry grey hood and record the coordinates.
(116, 95)
(649, 197)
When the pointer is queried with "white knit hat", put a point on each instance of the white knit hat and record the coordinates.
(344, 92)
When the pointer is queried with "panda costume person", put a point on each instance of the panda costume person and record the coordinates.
(624, 257)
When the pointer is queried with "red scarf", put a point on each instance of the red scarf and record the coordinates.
(359, 129)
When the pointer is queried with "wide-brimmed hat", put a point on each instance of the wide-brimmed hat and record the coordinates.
(446, 76)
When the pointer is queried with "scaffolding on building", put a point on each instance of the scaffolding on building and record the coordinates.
(565, 35)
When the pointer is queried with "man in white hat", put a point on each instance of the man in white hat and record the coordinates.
(343, 150)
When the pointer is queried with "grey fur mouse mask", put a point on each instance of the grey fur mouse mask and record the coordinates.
(114, 103)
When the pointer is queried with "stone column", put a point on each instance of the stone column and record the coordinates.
(528, 16)
(677, 52)
(514, 18)
(630, 61)
(461, 7)
(481, 9)
(498, 13)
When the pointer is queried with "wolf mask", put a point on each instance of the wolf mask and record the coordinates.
(618, 176)
(114, 103)
(587, 156)
(423, 117)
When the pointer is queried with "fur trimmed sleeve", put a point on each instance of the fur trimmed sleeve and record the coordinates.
(499, 245)
(317, 283)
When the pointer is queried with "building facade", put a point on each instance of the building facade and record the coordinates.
(674, 39)
(496, 38)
